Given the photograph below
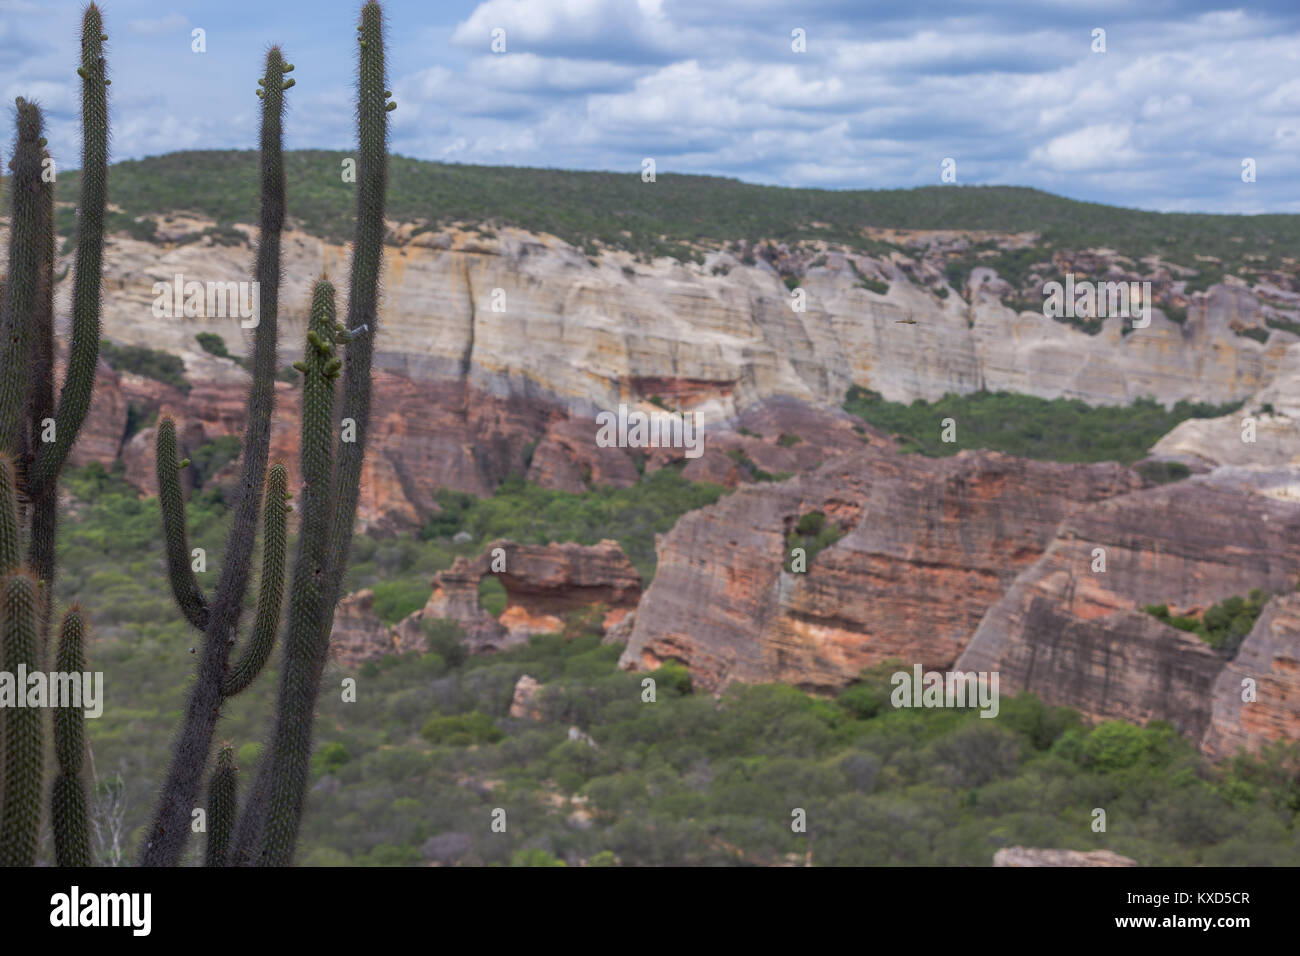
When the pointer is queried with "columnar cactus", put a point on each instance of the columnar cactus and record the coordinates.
(20, 824)
(68, 797)
(219, 617)
(36, 435)
(267, 830)
(223, 805)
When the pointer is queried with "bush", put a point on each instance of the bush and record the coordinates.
(1163, 472)
(445, 638)
(1053, 430)
(213, 344)
(151, 363)
(396, 599)
(461, 730)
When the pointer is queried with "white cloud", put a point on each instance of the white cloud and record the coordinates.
(171, 23)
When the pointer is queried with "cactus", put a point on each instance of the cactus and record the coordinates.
(68, 798)
(24, 758)
(167, 834)
(32, 456)
(223, 805)
(266, 832)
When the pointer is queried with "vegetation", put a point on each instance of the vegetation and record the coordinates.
(531, 514)
(267, 829)
(1049, 429)
(682, 780)
(151, 363)
(213, 344)
(36, 435)
(814, 534)
(1163, 472)
(683, 213)
(1223, 626)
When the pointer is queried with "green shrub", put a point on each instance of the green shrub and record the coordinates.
(1163, 472)
(461, 730)
(213, 344)
(151, 363)
(1054, 430)
(396, 599)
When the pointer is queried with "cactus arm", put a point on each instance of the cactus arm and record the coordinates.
(10, 537)
(270, 593)
(21, 289)
(171, 502)
(277, 793)
(45, 501)
(165, 838)
(363, 294)
(68, 797)
(24, 757)
(83, 357)
(300, 677)
(223, 800)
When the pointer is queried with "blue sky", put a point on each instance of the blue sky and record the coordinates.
(883, 94)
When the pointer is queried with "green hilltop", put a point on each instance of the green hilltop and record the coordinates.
(678, 215)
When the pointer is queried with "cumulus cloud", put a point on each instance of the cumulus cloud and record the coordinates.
(171, 23)
(879, 97)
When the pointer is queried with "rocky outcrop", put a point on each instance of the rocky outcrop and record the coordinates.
(1075, 635)
(1256, 697)
(1031, 856)
(928, 546)
(455, 598)
(359, 636)
(523, 704)
(459, 404)
(544, 583)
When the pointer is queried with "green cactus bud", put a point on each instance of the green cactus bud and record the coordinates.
(288, 83)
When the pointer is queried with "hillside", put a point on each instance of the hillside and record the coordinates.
(677, 214)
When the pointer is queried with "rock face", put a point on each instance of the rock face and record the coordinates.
(359, 635)
(459, 404)
(1078, 637)
(929, 546)
(524, 702)
(1270, 658)
(1030, 856)
(543, 584)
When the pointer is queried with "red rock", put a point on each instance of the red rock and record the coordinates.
(931, 544)
(1079, 638)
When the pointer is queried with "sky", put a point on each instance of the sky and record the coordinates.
(879, 97)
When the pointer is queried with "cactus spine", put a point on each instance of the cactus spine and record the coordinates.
(32, 457)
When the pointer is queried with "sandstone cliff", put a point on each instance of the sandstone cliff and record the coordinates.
(461, 404)
(1077, 637)
(929, 546)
